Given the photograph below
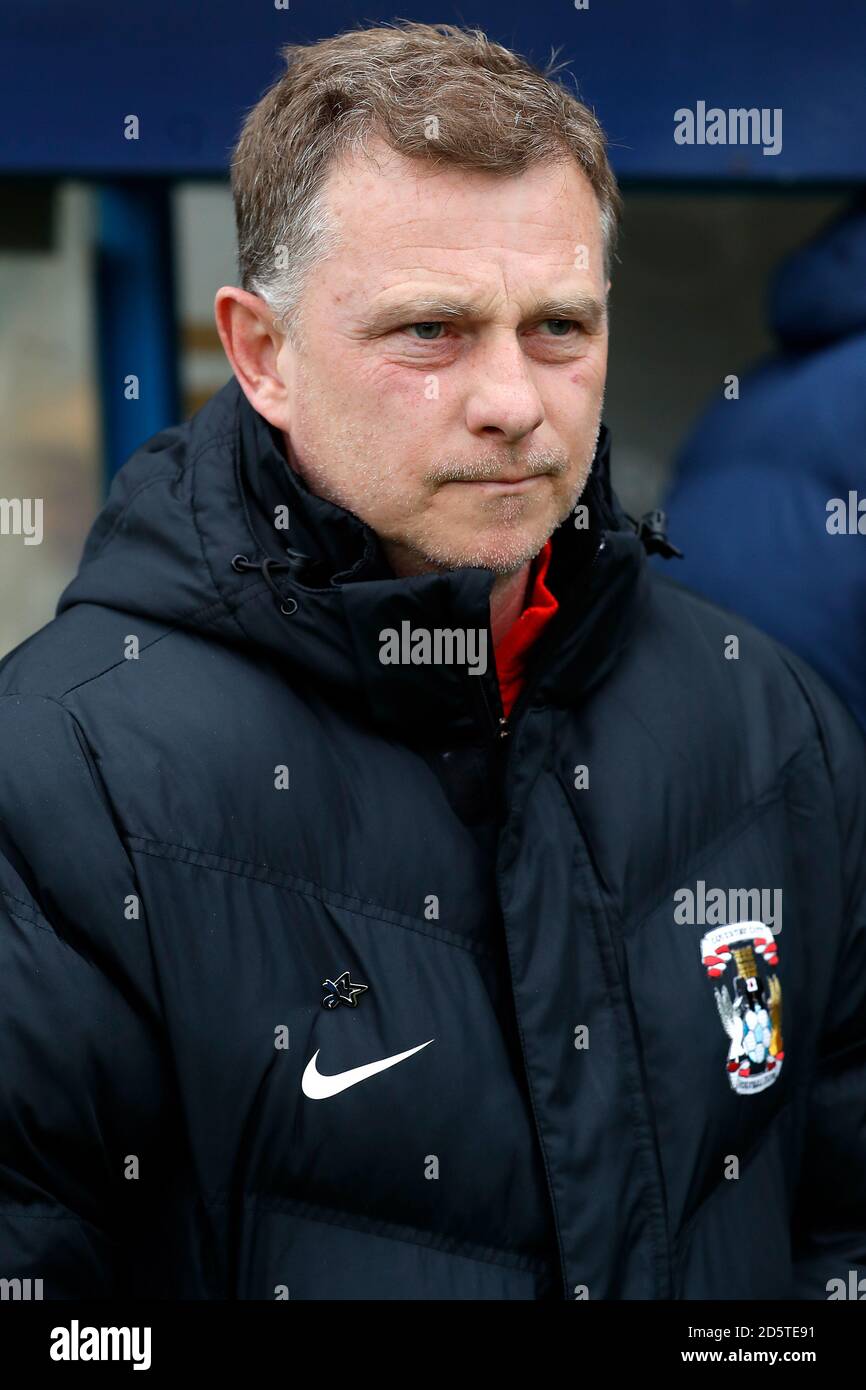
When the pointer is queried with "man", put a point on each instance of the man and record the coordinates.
(407, 895)
(782, 457)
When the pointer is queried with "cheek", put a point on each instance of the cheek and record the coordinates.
(588, 374)
(413, 394)
(573, 403)
(363, 384)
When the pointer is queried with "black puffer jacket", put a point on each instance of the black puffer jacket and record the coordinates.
(214, 797)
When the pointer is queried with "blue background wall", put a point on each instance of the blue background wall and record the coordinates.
(189, 68)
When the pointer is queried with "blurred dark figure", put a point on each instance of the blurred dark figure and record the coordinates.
(753, 494)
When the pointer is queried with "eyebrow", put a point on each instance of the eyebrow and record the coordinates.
(429, 308)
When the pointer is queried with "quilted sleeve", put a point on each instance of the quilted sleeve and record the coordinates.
(829, 1229)
(80, 1081)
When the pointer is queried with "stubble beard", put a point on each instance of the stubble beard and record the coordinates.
(501, 552)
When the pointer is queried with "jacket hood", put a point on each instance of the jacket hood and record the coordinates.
(192, 536)
(819, 293)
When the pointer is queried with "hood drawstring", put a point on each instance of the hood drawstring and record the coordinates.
(652, 531)
(241, 565)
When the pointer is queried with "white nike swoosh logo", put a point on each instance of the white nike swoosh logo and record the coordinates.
(319, 1087)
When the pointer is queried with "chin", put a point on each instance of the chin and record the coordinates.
(504, 551)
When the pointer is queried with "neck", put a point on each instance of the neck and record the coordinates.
(507, 598)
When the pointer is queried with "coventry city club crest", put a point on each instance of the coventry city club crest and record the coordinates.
(752, 1018)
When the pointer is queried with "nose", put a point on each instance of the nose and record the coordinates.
(503, 400)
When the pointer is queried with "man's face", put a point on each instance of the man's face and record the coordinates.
(447, 386)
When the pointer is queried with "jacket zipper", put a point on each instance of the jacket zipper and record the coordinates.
(501, 725)
(502, 729)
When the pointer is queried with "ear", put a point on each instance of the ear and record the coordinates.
(252, 341)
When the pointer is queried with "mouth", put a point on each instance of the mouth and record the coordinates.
(501, 487)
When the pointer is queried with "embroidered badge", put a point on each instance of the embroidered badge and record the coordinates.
(341, 991)
(752, 1019)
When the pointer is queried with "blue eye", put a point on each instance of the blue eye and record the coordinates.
(431, 323)
(566, 324)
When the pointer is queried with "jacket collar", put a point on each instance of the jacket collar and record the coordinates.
(346, 595)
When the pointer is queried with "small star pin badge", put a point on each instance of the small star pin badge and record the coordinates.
(341, 991)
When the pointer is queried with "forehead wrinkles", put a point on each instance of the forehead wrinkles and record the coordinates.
(471, 268)
(471, 233)
(548, 201)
